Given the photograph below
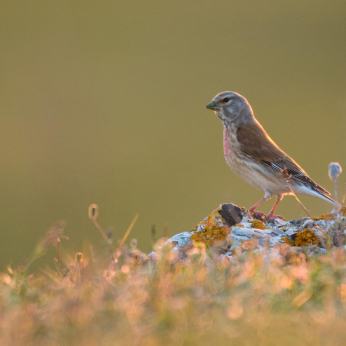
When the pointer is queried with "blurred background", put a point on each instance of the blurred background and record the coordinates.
(104, 102)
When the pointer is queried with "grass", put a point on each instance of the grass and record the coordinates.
(121, 296)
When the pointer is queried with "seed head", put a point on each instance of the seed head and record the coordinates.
(334, 170)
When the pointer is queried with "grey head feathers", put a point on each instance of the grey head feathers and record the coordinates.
(232, 107)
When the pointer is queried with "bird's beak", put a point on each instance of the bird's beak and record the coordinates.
(213, 106)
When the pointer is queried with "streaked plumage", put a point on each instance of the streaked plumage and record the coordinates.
(254, 156)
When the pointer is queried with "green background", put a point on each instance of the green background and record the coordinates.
(104, 102)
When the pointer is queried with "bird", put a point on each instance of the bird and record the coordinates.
(256, 158)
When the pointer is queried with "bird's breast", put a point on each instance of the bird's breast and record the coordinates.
(234, 158)
(230, 143)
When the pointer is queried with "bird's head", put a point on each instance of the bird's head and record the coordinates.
(230, 106)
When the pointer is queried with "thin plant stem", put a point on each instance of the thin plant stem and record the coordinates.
(93, 213)
(99, 228)
(128, 230)
(298, 200)
(336, 189)
(165, 230)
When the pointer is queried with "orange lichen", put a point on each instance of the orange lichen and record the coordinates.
(210, 230)
(209, 236)
(238, 225)
(288, 241)
(258, 224)
(328, 216)
(343, 211)
(303, 238)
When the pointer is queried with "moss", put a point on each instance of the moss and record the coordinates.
(328, 216)
(258, 224)
(210, 230)
(303, 238)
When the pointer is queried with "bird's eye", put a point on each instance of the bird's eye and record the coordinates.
(226, 99)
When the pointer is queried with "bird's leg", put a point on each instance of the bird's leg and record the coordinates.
(252, 209)
(271, 214)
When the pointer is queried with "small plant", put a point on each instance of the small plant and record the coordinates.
(334, 171)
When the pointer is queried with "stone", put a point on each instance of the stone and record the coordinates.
(181, 240)
(231, 228)
(231, 213)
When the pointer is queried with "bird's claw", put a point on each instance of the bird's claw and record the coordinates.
(263, 217)
(259, 216)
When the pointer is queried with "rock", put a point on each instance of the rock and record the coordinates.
(231, 213)
(181, 240)
(230, 227)
(242, 233)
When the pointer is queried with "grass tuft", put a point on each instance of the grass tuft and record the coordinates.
(122, 296)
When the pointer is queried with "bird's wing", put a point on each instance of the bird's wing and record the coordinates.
(255, 143)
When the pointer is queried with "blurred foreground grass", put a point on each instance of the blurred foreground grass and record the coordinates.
(130, 298)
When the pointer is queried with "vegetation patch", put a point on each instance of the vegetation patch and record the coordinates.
(303, 238)
(126, 297)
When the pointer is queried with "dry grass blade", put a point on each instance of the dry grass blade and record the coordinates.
(129, 230)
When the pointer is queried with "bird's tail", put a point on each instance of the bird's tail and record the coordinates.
(322, 195)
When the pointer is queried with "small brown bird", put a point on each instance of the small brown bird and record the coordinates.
(254, 157)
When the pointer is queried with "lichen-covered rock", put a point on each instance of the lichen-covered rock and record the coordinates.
(181, 240)
(230, 228)
(242, 234)
(303, 238)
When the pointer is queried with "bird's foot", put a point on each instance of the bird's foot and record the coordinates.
(259, 215)
(275, 217)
